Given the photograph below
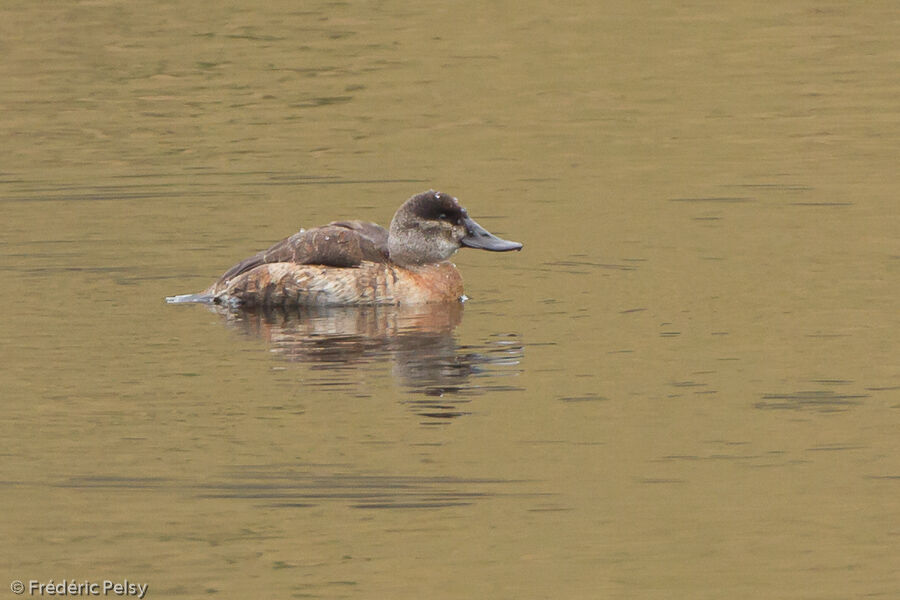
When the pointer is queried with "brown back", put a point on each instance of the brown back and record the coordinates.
(338, 244)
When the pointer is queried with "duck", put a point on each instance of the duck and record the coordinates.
(346, 263)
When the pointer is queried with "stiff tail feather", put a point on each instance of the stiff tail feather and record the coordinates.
(200, 298)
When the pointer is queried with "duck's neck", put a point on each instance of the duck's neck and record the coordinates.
(408, 247)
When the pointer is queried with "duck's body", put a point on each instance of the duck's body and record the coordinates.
(358, 263)
(285, 284)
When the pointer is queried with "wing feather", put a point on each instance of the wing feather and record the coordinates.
(338, 244)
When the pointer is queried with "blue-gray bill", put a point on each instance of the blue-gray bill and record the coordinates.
(481, 238)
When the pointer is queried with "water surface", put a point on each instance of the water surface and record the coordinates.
(686, 385)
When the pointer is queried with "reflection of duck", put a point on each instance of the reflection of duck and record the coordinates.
(345, 334)
(417, 340)
(358, 263)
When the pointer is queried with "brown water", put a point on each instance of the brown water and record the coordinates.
(686, 386)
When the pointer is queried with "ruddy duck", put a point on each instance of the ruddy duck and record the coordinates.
(355, 263)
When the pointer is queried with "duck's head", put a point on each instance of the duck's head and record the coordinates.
(431, 226)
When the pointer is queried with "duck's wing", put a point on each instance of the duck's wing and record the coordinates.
(373, 239)
(338, 244)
